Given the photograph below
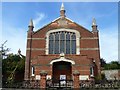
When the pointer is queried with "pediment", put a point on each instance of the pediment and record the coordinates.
(62, 23)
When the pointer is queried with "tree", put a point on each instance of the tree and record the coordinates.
(112, 65)
(3, 50)
(103, 62)
(13, 68)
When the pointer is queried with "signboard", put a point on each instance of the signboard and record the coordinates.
(62, 78)
(83, 77)
(48, 77)
(37, 77)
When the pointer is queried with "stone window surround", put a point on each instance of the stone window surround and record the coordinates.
(63, 29)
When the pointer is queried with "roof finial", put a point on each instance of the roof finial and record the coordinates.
(94, 25)
(19, 51)
(31, 23)
(94, 21)
(62, 7)
(62, 11)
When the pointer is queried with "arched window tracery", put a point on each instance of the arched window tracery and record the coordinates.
(62, 42)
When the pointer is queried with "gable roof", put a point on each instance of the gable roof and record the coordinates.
(59, 19)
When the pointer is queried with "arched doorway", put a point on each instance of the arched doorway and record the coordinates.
(62, 70)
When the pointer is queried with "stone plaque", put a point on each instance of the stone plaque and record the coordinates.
(48, 77)
(37, 77)
(83, 77)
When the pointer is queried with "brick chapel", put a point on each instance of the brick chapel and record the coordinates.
(62, 49)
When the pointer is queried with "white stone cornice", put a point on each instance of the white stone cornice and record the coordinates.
(36, 38)
(89, 48)
(34, 49)
(80, 49)
(89, 38)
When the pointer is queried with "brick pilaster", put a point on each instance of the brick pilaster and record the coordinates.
(43, 75)
(76, 79)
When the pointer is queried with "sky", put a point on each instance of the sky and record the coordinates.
(16, 17)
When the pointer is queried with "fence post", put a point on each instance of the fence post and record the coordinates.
(43, 75)
(76, 79)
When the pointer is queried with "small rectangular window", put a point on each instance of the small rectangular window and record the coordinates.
(33, 71)
(91, 71)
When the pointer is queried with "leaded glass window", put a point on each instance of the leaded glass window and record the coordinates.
(51, 43)
(56, 43)
(62, 42)
(73, 43)
(67, 43)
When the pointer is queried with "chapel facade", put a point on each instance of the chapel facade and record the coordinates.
(62, 49)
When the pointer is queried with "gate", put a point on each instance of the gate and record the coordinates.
(59, 84)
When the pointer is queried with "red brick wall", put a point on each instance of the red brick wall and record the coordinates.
(41, 61)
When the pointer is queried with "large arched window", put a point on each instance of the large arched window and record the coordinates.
(62, 41)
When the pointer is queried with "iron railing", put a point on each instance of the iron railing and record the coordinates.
(59, 84)
(35, 84)
(101, 84)
(28, 84)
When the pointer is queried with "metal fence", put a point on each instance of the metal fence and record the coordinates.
(35, 84)
(28, 84)
(101, 84)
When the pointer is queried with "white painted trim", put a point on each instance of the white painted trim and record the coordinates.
(63, 29)
(67, 30)
(69, 19)
(62, 59)
(80, 38)
(65, 17)
(56, 19)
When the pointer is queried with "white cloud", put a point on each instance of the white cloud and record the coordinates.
(37, 19)
(109, 43)
(16, 39)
